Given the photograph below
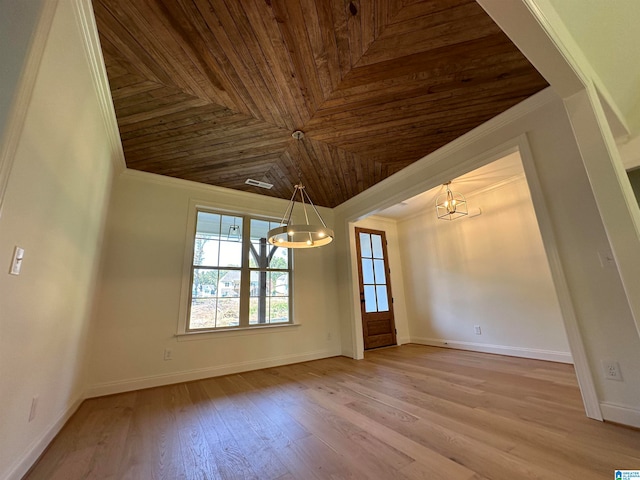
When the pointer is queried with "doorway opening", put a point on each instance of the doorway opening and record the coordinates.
(480, 282)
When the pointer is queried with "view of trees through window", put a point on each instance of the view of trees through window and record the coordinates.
(238, 278)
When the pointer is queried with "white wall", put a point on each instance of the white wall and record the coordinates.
(139, 298)
(54, 208)
(489, 270)
(394, 245)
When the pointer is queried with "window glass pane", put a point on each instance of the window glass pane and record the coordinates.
(370, 298)
(278, 309)
(280, 258)
(383, 301)
(376, 241)
(230, 254)
(228, 312)
(229, 283)
(205, 282)
(279, 282)
(260, 228)
(205, 251)
(253, 311)
(367, 271)
(379, 269)
(202, 313)
(208, 225)
(263, 252)
(259, 296)
(365, 245)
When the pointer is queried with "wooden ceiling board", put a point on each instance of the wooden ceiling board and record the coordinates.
(211, 90)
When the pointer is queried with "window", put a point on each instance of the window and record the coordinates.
(238, 279)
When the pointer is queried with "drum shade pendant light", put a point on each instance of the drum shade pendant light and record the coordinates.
(300, 235)
(450, 205)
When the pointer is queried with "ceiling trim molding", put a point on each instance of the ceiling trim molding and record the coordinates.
(22, 99)
(91, 42)
(495, 186)
(233, 200)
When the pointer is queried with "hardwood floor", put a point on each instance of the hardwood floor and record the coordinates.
(410, 412)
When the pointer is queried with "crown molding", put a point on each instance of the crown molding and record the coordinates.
(91, 42)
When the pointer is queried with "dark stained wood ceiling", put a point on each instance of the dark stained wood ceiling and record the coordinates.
(211, 90)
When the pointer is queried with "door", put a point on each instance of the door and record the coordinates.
(376, 302)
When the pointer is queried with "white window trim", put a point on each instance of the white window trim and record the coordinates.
(183, 332)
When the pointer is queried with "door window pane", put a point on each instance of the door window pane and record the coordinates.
(376, 241)
(383, 301)
(367, 271)
(365, 245)
(379, 268)
(370, 299)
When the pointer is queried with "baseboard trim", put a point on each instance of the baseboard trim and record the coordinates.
(612, 412)
(534, 353)
(110, 388)
(22, 465)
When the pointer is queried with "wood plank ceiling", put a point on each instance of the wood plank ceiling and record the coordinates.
(211, 90)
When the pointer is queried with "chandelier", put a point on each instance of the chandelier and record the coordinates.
(300, 235)
(450, 205)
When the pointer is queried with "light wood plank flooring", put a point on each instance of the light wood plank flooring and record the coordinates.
(410, 412)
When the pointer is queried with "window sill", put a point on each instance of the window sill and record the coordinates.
(232, 332)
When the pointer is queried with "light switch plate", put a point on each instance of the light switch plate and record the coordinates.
(16, 263)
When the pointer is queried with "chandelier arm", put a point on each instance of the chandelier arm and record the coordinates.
(289, 210)
(316, 210)
(304, 206)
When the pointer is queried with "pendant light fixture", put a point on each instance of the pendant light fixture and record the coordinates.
(300, 235)
(234, 231)
(450, 205)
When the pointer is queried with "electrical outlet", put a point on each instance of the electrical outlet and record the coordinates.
(34, 408)
(477, 330)
(611, 370)
(168, 354)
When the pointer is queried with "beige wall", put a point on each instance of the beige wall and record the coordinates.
(54, 208)
(489, 270)
(139, 294)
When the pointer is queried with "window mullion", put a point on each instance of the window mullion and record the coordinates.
(245, 275)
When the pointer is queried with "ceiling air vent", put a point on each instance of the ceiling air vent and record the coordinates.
(257, 183)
